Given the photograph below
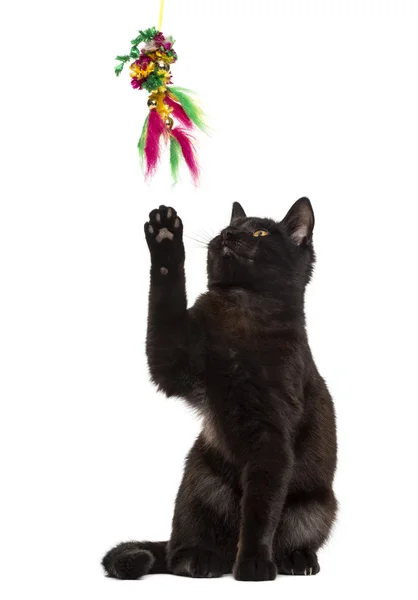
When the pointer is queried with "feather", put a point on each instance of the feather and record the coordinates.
(178, 111)
(156, 128)
(188, 151)
(175, 154)
(190, 106)
(141, 141)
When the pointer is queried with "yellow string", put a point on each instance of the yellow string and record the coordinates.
(160, 18)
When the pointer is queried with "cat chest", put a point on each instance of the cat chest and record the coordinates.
(242, 332)
(241, 325)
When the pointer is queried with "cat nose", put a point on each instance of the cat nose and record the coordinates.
(227, 235)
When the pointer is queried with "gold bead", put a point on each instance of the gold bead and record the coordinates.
(162, 66)
(169, 123)
(152, 103)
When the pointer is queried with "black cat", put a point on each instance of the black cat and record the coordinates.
(256, 496)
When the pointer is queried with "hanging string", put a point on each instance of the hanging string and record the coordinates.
(160, 18)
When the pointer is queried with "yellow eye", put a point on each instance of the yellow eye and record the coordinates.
(260, 233)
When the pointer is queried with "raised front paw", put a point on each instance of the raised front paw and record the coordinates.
(254, 568)
(164, 235)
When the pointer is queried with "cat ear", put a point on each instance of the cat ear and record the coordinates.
(237, 212)
(299, 221)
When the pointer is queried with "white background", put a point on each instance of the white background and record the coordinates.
(304, 98)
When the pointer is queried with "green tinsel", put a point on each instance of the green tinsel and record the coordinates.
(144, 36)
(134, 52)
(153, 82)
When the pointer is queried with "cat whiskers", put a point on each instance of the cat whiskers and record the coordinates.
(208, 233)
(201, 245)
(202, 240)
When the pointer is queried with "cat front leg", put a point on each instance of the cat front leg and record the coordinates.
(265, 482)
(172, 351)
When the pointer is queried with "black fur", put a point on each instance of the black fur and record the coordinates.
(256, 496)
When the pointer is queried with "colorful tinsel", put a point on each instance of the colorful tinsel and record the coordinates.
(173, 112)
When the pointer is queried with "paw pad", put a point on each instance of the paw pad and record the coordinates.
(164, 233)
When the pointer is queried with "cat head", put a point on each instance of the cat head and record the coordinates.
(263, 254)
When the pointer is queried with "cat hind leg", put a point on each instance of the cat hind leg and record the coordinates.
(305, 525)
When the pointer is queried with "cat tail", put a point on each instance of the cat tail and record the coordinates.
(132, 560)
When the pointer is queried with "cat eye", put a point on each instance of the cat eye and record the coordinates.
(260, 233)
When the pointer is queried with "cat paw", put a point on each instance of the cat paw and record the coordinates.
(163, 224)
(164, 235)
(256, 568)
(197, 562)
(299, 562)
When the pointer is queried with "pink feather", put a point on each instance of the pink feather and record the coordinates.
(188, 151)
(156, 128)
(178, 112)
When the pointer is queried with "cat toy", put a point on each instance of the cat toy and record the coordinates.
(173, 112)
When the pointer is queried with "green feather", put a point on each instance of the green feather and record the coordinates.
(192, 109)
(141, 141)
(175, 154)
